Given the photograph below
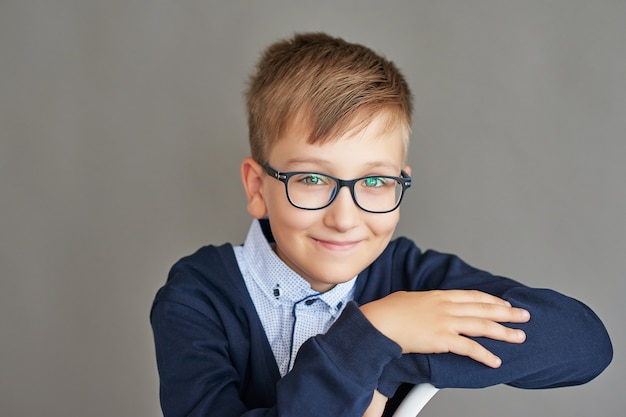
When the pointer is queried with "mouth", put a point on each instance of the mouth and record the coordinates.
(337, 246)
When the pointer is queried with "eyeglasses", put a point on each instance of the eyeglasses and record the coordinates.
(315, 191)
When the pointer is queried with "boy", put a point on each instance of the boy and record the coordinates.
(319, 313)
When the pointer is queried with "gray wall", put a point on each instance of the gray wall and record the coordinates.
(122, 127)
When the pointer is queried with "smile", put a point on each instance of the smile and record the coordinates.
(337, 246)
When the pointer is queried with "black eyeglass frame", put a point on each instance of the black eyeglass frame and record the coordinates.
(404, 181)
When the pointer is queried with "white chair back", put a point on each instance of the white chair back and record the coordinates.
(415, 400)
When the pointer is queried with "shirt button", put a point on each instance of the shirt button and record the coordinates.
(310, 301)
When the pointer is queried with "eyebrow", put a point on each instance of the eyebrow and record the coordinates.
(323, 166)
(326, 164)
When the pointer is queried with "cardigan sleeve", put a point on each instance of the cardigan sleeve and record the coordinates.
(566, 343)
(334, 374)
(195, 372)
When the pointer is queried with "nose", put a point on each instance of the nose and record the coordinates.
(343, 214)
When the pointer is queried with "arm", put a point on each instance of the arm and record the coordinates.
(195, 371)
(341, 368)
(336, 372)
(566, 343)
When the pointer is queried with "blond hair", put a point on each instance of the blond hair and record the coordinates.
(329, 86)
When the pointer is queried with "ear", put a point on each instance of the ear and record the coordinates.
(407, 169)
(252, 174)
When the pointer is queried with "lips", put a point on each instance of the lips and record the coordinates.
(337, 246)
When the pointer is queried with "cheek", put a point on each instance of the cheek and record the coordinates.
(287, 220)
(295, 220)
(278, 207)
(385, 224)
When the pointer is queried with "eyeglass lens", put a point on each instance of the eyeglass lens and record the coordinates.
(313, 191)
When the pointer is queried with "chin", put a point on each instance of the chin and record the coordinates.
(334, 279)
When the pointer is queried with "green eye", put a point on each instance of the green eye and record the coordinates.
(374, 182)
(313, 179)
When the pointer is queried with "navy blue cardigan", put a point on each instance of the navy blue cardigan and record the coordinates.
(214, 358)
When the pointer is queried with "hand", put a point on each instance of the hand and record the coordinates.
(377, 406)
(442, 321)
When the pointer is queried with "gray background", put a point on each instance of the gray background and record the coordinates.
(122, 128)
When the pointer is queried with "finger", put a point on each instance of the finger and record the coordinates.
(493, 312)
(474, 350)
(377, 406)
(475, 296)
(489, 329)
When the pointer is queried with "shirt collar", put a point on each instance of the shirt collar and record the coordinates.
(278, 281)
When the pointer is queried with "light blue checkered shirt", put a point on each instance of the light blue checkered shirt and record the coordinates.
(290, 310)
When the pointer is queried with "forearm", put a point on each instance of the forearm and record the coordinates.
(566, 344)
(333, 373)
(341, 368)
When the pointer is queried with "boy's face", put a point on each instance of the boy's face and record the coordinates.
(332, 245)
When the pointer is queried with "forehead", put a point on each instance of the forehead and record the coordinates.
(377, 143)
